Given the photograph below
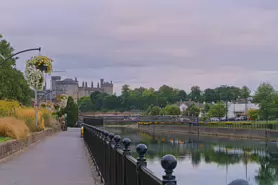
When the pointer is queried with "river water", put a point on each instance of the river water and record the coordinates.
(208, 160)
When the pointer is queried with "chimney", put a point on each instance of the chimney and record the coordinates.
(111, 82)
(86, 84)
(101, 82)
(83, 84)
(92, 84)
(97, 85)
(75, 79)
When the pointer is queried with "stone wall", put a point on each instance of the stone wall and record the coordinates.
(203, 130)
(10, 147)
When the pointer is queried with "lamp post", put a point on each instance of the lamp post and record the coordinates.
(5, 60)
(37, 103)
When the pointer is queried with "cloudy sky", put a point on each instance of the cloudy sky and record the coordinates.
(150, 42)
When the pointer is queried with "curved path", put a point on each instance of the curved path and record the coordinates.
(56, 160)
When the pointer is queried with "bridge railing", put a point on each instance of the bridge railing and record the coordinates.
(115, 165)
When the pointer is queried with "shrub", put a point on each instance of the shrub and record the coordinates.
(7, 108)
(14, 128)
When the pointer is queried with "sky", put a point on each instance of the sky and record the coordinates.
(149, 43)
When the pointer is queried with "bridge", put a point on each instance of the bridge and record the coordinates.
(64, 159)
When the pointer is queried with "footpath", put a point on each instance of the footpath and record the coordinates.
(56, 160)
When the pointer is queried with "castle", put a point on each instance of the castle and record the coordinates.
(71, 87)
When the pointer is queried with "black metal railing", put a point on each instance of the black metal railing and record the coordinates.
(115, 165)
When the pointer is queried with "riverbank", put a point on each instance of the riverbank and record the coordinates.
(240, 133)
(134, 126)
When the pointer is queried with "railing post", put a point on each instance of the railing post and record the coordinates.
(117, 140)
(126, 143)
(141, 149)
(169, 163)
(116, 167)
(110, 163)
(111, 136)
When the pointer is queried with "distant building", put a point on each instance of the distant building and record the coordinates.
(71, 87)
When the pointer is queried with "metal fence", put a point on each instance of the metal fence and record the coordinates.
(116, 166)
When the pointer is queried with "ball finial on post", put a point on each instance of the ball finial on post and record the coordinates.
(141, 149)
(169, 163)
(126, 143)
(111, 136)
(117, 140)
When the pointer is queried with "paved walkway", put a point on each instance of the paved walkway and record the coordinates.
(57, 160)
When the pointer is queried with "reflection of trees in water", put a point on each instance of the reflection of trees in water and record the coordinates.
(268, 172)
(198, 151)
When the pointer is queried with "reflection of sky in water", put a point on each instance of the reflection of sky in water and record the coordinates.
(202, 173)
(207, 173)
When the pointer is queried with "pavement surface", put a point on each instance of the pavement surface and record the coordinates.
(56, 160)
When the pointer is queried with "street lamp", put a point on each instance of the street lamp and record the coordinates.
(37, 103)
(5, 60)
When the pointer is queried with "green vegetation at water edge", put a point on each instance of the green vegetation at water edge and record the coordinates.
(4, 139)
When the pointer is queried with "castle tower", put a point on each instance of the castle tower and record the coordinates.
(97, 85)
(92, 84)
(83, 84)
(86, 85)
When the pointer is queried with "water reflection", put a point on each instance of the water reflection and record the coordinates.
(209, 159)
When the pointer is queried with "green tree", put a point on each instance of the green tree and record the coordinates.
(195, 94)
(72, 112)
(217, 110)
(182, 95)
(253, 114)
(111, 102)
(245, 94)
(171, 110)
(13, 86)
(85, 104)
(264, 96)
(155, 111)
(210, 95)
(193, 110)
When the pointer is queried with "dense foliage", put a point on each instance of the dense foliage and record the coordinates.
(13, 86)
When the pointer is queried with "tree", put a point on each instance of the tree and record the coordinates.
(171, 110)
(264, 96)
(195, 94)
(217, 110)
(253, 114)
(13, 86)
(85, 104)
(72, 112)
(6, 50)
(210, 95)
(155, 111)
(182, 95)
(192, 110)
(245, 93)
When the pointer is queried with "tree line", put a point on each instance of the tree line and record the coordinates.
(142, 98)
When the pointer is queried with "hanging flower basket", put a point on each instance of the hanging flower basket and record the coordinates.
(35, 68)
(42, 63)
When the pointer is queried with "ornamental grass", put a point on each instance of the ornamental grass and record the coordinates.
(29, 116)
(13, 128)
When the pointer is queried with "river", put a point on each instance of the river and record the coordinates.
(208, 159)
